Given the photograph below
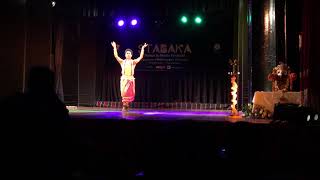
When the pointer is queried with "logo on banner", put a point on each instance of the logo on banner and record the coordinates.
(164, 57)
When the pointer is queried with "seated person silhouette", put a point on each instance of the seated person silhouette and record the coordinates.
(37, 122)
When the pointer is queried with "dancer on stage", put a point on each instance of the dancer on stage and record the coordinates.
(127, 83)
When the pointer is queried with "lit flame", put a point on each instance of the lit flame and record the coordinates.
(234, 101)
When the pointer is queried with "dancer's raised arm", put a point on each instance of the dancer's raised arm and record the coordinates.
(115, 52)
(141, 53)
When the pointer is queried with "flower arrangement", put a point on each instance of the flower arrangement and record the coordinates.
(256, 112)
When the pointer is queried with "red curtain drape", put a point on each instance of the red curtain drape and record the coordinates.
(310, 54)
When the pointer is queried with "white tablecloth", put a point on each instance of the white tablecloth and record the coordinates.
(269, 99)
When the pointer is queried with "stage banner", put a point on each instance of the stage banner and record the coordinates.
(166, 57)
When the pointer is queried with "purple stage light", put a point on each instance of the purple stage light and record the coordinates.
(134, 22)
(120, 23)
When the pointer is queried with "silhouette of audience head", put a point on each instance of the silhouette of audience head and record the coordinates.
(41, 79)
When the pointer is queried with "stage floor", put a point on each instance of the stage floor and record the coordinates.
(156, 114)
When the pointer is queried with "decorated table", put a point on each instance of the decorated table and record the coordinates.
(267, 100)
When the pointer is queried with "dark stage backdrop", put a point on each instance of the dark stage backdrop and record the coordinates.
(182, 63)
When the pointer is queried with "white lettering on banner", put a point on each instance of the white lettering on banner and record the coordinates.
(165, 49)
(162, 56)
(171, 49)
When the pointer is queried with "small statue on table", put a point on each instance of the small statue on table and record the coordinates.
(282, 78)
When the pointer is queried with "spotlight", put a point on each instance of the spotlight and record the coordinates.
(120, 23)
(222, 153)
(184, 19)
(308, 117)
(198, 20)
(53, 3)
(134, 22)
(316, 117)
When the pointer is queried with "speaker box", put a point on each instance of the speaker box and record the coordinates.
(291, 113)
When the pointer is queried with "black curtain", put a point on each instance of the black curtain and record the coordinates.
(212, 47)
(204, 79)
(195, 87)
